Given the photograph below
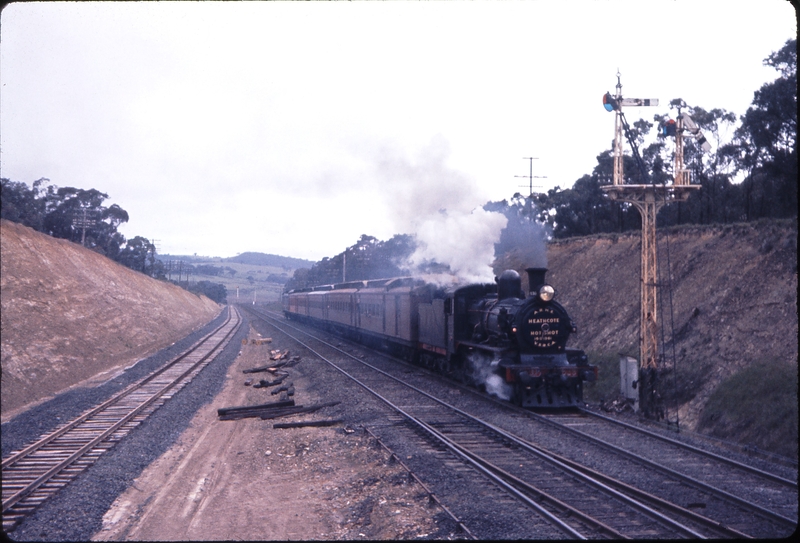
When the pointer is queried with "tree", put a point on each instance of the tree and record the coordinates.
(765, 146)
(137, 253)
(215, 291)
(298, 280)
(712, 170)
(368, 258)
(581, 210)
(54, 211)
(20, 204)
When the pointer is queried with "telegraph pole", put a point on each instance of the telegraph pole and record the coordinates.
(82, 223)
(648, 199)
(531, 177)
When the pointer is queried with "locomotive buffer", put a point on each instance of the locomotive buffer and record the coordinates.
(648, 199)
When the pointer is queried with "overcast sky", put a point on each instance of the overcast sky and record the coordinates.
(293, 128)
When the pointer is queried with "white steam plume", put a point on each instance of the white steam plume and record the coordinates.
(441, 208)
(481, 373)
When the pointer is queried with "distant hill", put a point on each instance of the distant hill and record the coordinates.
(250, 258)
(263, 259)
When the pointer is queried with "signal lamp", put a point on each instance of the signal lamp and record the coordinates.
(609, 102)
(546, 293)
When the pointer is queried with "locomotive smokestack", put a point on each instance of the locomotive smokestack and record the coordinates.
(535, 279)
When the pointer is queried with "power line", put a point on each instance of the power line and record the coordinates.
(531, 177)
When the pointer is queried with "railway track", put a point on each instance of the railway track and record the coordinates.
(582, 502)
(774, 496)
(36, 472)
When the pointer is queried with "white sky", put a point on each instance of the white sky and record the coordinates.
(293, 128)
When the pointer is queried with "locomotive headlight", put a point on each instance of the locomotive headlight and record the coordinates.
(546, 293)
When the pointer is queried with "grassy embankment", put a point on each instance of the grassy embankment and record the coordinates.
(755, 407)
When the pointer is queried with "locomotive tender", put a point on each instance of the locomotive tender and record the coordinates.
(488, 335)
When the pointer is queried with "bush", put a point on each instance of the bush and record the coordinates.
(215, 291)
(756, 406)
(607, 384)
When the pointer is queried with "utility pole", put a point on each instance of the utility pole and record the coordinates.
(82, 223)
(531, 177)
(648, 199)
(154, 244)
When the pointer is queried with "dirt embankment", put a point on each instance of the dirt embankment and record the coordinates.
(69, 313)
(734, 298)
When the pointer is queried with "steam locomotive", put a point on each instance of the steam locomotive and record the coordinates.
(488, 335)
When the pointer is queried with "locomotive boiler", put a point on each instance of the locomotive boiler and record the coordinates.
(491, 336)
(523, 340)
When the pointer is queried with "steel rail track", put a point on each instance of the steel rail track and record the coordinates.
(532, 494)
(431, 496)
(787, 522)
(696, 450)
(745, 478)
(36, 472)
(564, 527)
(758, 479)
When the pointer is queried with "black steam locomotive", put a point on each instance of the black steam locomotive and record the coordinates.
(488, 335)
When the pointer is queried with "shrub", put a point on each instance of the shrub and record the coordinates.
(607, 384)
(756, 406)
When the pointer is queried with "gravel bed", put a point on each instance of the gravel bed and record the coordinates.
(470, 400)
(596, 457)
(487, 511)
(76, 512)
(553, 439)
(358, 408)
(760, 459)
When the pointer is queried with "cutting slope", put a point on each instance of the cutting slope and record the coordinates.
(69, 314)
(733, 291)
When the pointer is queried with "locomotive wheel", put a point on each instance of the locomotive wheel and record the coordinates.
(460, 375)
(429, 361)
(516, 395)
(443, 366)
(462, 369)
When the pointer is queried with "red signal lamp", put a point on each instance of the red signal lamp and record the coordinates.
(609, 102)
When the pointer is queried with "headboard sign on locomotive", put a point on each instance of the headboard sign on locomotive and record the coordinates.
(489, 335)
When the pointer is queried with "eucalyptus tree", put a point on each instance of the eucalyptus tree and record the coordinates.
(765, 146)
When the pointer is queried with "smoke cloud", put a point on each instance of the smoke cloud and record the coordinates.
(442, 209)
(525, 241)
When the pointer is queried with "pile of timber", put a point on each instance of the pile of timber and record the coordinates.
(272, 368)
(317, 423)
(277, 354)
(263, 383)
(258, 341)
(288, 388)
(269, 410)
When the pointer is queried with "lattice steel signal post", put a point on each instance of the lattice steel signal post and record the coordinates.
(648, 199)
